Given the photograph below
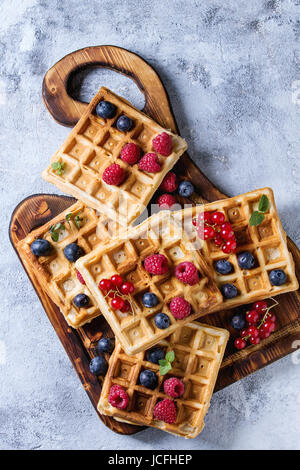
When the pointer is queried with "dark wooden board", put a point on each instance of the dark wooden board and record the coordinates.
(38, 209)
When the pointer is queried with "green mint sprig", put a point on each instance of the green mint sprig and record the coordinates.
(165, 364)
(58, 167)
(257, 217)
(55, 230)
(77, 219)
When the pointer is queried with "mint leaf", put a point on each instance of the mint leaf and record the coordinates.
(170, 356)
(58, 167)
(256, 218)
(55, 229)
(264, 204)
(68, 216)
(78, 221)
(164, 369)
(54, 236)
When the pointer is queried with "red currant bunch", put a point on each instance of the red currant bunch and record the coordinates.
(118, 291)
(260, 324)
(212, 225)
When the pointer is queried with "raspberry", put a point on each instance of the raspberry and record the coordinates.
(150, 163)
(165, 201)
(187, 273)
(162, 143)
(156, 264)
(169, 183)
(118, 397)
(180, 308)
(174, 387)
(113, 174)
(130, 153)
(165, 410)
(80, 278)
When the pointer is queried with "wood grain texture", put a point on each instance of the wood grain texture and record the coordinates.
(38, 209)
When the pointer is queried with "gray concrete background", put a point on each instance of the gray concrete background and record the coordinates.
(233, 75)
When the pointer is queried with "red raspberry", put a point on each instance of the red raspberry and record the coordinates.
(162, 143)
(113, 174)
(180, 308)
(169, 183)
(80, 278)
(187, 273)
(150, 163)
(156, 264)
(174, 387)
(118, 397)
(165, 201)
(165, 410)
(130, 153)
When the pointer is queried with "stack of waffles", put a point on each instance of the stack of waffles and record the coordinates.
(98, 228)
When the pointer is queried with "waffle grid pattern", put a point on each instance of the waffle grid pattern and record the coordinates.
(58, 275)
(94, 144)
(158, 234)
(199, 350)
(267, 242)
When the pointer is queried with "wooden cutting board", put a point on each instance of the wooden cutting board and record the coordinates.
(39, 208)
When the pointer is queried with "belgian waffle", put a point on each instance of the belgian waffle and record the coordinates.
(94, 144)
(56, 274)
(199, 351)
(159, 234)
(267, 242)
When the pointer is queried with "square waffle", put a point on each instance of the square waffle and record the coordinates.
(267, 242)
(124, 256)
(94, 144)
(199, 351)
(56, 274)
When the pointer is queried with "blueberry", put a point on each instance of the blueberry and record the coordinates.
(106, 110)
(154, 355)
(148, 379)
(105, 345)
(124, 123)
(238, 321)
(185, 189)
(229, 291)
(73, 251)
(81, 300)
(98, 365)
(246, 260)
(149, 300)
(41, 247)
(277, 277)
(223, 266)
(162, 321)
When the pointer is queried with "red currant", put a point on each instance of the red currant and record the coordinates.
(105, 284)
(271, 317)
(254, 340)
(218, 218)
(253, 331)
(194, 222)
(116, 280)
(260, 306)
(226, 231)
(244, 333)
(126, 307)
(127, 288)
(264, 334)
(229, 246)
(240, 343)
(267, 325)
(205, 217)
(208, 232)
(252, 316)
(218, 240)
(117, 303)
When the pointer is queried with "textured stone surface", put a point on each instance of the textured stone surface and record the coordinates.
(232, 73)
